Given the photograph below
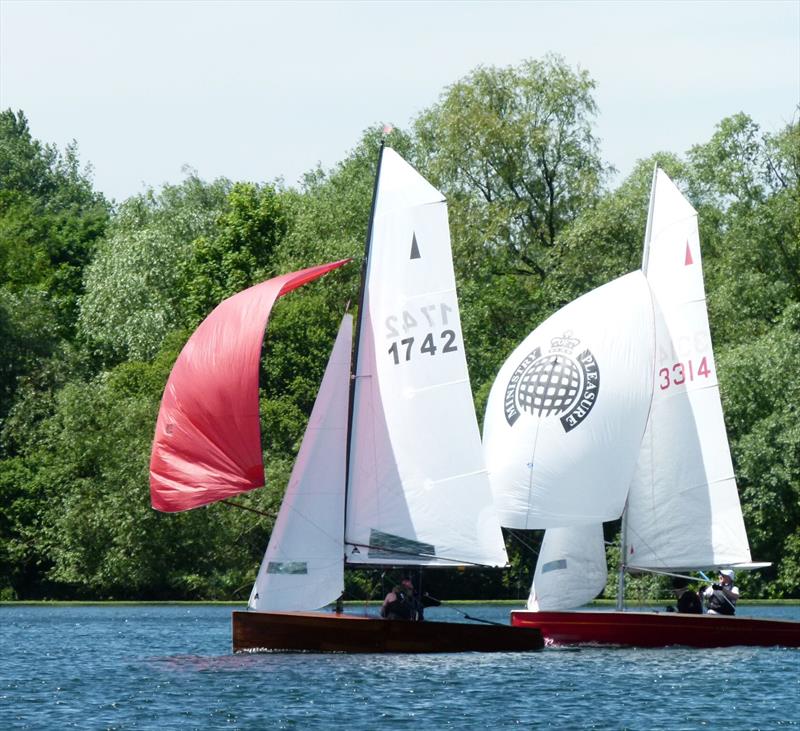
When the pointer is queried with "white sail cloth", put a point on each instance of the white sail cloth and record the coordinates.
(567, 411)
(418, 492)
(683, 507)
(571, 569)
(302, 567)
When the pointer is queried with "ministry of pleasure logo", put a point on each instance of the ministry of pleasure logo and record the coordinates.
(554, 383)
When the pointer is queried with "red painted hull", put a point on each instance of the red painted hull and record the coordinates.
(327, 632)
(657, 629)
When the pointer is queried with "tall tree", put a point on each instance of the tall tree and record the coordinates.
(134, 286)
(50, 222)
(514, 150)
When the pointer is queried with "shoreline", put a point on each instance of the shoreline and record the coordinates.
(372, 602)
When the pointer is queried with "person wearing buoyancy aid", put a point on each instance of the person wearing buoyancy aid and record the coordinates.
(400, 603)
(721, 598)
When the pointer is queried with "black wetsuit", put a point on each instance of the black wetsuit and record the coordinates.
(689, 603)
(721, 604)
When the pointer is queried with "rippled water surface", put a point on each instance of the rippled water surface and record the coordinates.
(170, 667)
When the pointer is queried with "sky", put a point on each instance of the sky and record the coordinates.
(261, 90)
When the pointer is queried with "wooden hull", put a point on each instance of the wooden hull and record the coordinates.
(657, 629)
(328, 632)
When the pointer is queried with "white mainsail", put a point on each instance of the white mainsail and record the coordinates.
(683, 506)
(567, 411)
(571, 569)
(418, 492)
(302, 567)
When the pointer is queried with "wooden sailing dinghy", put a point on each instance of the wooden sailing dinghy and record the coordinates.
(390, 471)
(611, 407)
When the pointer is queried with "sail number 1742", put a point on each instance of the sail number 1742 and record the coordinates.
(680, 373)
(439, 339)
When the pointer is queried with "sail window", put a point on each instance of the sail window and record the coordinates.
(555, 565)
(287, 567)
(385, 545)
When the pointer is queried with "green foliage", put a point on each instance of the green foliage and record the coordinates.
(237, 252)
(50, 221)
(514, 150)
(134, 294)
(50, 218)
(94, 311)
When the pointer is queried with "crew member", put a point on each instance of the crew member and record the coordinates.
(402, 603)
(721, 598)
(688, 600)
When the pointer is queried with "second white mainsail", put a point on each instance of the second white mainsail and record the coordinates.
(683, 508)
(418, 492)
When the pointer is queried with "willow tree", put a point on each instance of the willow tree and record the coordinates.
(513, 150)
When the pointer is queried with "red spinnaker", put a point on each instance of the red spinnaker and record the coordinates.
(207, 445)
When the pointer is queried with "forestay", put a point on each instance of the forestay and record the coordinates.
(303, 567)
(418, 491)
(683, 508)
(567, 411)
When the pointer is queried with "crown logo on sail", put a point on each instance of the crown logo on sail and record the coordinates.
(554, 383)
(564, 344)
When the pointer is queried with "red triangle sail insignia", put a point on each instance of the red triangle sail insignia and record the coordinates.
(688, 260)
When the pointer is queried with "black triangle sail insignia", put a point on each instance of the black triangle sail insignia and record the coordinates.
(414, 248)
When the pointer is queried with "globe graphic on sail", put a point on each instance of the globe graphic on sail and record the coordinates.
(549, 386)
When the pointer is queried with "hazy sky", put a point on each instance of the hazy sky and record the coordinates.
(256, 90)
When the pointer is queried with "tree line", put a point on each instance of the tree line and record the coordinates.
(97, 298)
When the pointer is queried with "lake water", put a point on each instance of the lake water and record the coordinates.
(170, 667)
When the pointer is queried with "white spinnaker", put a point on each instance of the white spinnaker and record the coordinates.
(545, 469)
(303, 567)
(418, 491)
(683, 506)
(571, 569)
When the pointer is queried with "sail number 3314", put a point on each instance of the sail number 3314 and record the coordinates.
(406, 333)
(680, 373)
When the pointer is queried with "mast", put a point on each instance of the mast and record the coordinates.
(648, 228)
(623, 551)
(623, 537)
(357, 333)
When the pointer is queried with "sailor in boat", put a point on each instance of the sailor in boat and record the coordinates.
(687, 599)
(721, 598)
(402, 603)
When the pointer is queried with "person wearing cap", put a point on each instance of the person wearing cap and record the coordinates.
(721, 598)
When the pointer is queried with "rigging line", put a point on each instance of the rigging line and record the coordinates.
(668, 573)
(246, 507)
(413, 554)
(464, 614)
(527, 545)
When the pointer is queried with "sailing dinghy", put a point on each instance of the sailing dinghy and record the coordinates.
(639, 432)
(390, 471)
